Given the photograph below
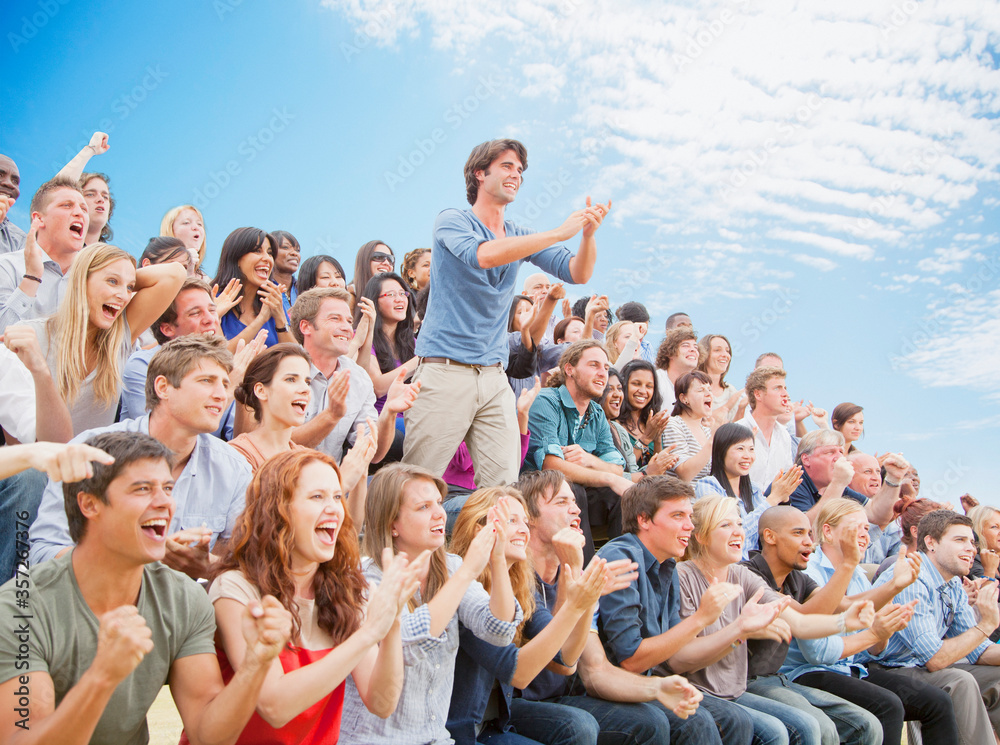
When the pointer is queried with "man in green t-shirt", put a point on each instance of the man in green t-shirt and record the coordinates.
(91, 637)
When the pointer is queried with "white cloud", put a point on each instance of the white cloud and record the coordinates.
(945, 260)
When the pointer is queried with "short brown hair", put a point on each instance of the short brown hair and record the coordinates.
(571, 356)
(40, 202)
(644, 499)
(481, 157)
(307, 306)
(536, 486)
(671, 343)
(175, 359)
(169, 316)
(935, 524)
(757, 381)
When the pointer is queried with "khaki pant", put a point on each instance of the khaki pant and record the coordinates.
(456, 404)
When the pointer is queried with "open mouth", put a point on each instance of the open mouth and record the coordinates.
(327, 532)
(736, 545)
(575, 524)
(300, 406)
(76, 228)
(214, 410)
(438, 530)
(111, 310)
(155, 529)
(263, 271)
(520, 542)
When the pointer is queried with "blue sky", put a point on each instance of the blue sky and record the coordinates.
(813, 180)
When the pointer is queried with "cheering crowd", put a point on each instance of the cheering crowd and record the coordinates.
(431, 506)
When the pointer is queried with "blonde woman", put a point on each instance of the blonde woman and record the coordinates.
(186, 222)
(404, 512)
(107, 305)
(622, 341)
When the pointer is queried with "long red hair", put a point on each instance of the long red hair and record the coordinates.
(262, 543)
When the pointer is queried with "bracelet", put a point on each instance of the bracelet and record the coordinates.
(736, 644)
(889, 483)
(33, 278)
(981, 631)
(282, 330)
(842, 623)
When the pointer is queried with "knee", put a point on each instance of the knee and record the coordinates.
(573, 727)
(962, 685)
(826, 731)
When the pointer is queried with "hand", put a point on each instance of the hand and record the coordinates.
(267, 627)
(556, 291)
(272, 302)
(784, 484)
(365, 324)
(34, 257)
(714, 600)
(23, 341)
(843, 471)
(801, 411)
(99, 143)
(662, 461)
(187, 552)
(596, 305)
(990, 560)
(67, 463)
(123, 639)
(756, 616)
(499, 516)
(819, 416)
(244, 356)
(400, 579)
(971, 589)
(595, 216)
(619, 574)
(336, 394)
(655, 426)
(480, 549)
(859, 615)
(229, 298)
(354, 466)
(583, 591)
(573, 225)
(5, 204)
(574, 454)
(568, 545)
(676, 694)
(891, 618)
(527, 397)
(401, 394)
(567, 309)
(895, 466)
(850, 545)
(906, 569)
(968, 502)
(986, 604)
(776, 631)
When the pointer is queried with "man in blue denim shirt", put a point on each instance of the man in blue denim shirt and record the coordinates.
(186, 390)
(628, 708)
(571, 434)
(463, 338)
(640, 625)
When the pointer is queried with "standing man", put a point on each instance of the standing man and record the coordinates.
(768, 399)
(463, 339)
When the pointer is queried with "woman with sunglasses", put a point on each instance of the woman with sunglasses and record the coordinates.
(373, 258)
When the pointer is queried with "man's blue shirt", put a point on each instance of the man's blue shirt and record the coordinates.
(555, 422)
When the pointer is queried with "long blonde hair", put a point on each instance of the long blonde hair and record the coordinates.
(167, 226)
(979, 515)
(385, 496)
(69, 329)
(709, 512)
(470, 520)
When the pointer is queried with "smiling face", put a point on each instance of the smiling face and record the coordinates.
(687, 355)
(10, 178)
(256, 265)
(64, 222)
(198, 402)
(590, 375)
(288, 257)
(196, 314)
(719, 356)
(667, 534)
(640, 389)
(315, 515)
(991, 531)
(739, 459)
(382, 260)
(138, 512)
(555, 513)
(285, 398)
(613, 401)
(854, 427)
(328, 276)
(108, 292)
(724, 542)
(517, 533)
(331, 331)
(422, 270)
(954, 553)
(852, 524)
(98, 197)
(867, 474)
(188, 227)
(392, 301)
(501, 180)
(421, 520)
(625, 335)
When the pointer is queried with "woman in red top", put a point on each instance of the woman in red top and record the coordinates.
(296, 541)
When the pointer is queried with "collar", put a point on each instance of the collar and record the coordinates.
(758, 562)
(807, 482)
(568, 403)
(931, 577)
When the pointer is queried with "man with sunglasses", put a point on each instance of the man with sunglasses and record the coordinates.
(463, 338)
(944, 644)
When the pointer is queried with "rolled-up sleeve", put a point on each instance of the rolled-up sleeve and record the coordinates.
(620, 613)
(824, 651)
(543, 422)
(474, 612)
(453, 231)
(50, 532)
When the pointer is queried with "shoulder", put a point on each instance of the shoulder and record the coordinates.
(126, 425)
(169, 583)
(219, 452)
(357, 372)
(234, 586)
(623, 547)
(12, 259)
(453, 217)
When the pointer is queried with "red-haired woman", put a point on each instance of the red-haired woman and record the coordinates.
(296, 541)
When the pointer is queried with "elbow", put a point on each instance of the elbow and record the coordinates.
(933, 665)
(633, 666)
(270, 714)
(485, 259)
(382, 707)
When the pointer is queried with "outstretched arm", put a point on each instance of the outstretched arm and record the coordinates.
(98, 145)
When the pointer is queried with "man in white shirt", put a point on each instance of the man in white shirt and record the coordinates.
(768, 399)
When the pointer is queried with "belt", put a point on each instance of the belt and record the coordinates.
(453, 363)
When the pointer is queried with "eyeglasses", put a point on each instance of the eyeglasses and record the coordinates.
(401, 294)
(949, 605)
(378, 257)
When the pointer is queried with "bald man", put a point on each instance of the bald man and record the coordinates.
(536, 286)
(786, 543)
(888, 537)
(11, 237)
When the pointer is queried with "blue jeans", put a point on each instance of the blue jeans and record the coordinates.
(617, 723)
(839, 721)
(548, 723)
(20, 493)
(775, 723)
(734, 723)
(504, 738)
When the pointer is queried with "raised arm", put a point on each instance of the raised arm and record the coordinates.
(98, 145)
(53, 422)
(156, 287)
(540, 318)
